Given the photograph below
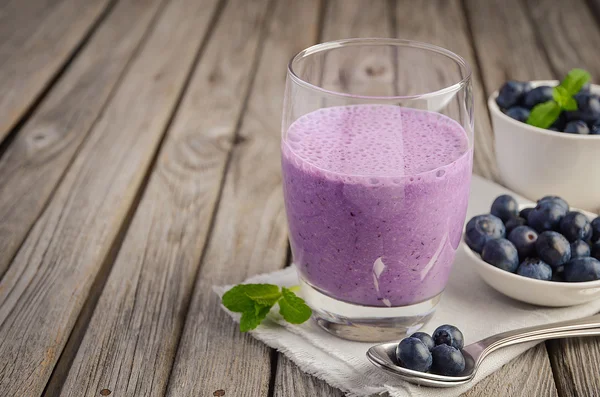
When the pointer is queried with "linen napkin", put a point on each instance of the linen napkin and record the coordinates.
(478, 310)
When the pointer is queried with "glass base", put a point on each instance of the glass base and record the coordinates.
(366, 323)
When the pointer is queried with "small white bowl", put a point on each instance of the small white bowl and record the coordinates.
(529, 290)
(535, 162)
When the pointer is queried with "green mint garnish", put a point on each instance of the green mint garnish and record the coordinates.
(255, 301)
(575, 81)
(292, 308)
(545, 114)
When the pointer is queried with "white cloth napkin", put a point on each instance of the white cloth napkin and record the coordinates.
(478, 310)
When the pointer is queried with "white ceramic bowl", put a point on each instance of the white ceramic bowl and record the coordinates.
(535, 162)
(529, 290)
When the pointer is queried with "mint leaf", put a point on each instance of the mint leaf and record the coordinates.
(243, 297)
(544, 114)
(571, 105)
(561, 95)
(251, 319)
(293, 309)
(264, 294)
(575, 80)
(237, 301)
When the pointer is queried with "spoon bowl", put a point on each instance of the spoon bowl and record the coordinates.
(384, 355)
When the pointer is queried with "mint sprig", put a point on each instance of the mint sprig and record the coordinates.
(255, 301)
(545, 114)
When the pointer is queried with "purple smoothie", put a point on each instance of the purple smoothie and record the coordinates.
(376, 198)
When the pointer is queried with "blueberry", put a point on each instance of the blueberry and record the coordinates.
(524, 238)
(595, 251)
(525, 212)
(553, 248)
(588, 108)
(546, 216)
(535, 268)
(556, 200)
(536, 96)
(596, 229)
(518, 113)
(482, 228)
(511, 93)
(502, 254)
(411, 353)
(560, 123)
(447, 360)
(425, 338)
(595, 130)
(558, 277)
(582, 269)
(448, 335)
(505, 207)
(580, 249)
(577, 127)
(512, 223)
(576, 226)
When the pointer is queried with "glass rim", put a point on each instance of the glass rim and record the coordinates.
(329, 45)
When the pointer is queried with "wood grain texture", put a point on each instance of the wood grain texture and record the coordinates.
(576, 366)
(569, 33)
(526, 376)
(506, 43)
(36, 39)
(46, 285)
(42, 150)
(291, 381)
(132, 338)
(249, 234)
(446, 26)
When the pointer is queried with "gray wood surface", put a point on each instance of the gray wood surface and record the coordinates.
(139, 317)
(33, 164)
(291, 381)
(148, 171)
(45, 288)
(36, 39)
(249, 235)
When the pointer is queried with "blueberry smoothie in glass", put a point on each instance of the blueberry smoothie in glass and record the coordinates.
(376, 198)
(377, 151)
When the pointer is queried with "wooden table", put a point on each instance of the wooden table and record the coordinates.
(139, 166)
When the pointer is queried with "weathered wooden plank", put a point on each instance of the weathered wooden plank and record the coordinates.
(365, 72)
(570, 35)
(291, 381)
(37, 158)
(527, 376)
(35, 41)
(45, 287)
(576, 365)
(506, 43)
(131, 340)
(249, 235)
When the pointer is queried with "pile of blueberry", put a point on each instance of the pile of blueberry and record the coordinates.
(547, 242)
(440, 354)
(516, 99)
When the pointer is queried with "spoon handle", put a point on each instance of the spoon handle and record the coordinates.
(588, 326)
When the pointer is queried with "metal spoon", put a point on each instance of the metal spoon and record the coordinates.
(384, 355)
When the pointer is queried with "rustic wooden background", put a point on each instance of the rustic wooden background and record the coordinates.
(139, 165)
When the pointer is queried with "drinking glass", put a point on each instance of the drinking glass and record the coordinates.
(377, 154)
